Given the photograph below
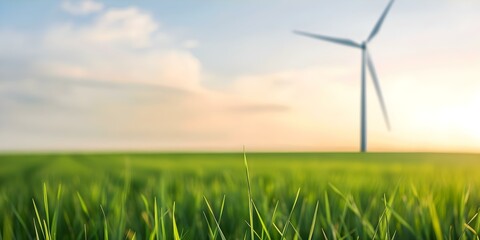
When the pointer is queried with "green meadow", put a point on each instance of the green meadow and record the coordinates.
(222, 196)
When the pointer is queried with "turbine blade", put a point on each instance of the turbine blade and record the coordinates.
(373, 73)
(380, 21)
(341, 41)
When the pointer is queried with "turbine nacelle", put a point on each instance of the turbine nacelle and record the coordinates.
(363, 46)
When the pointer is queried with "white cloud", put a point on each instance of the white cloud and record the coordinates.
(121, 28)
(129, 25)
(190, 44)
(121, 45)
(81, 7)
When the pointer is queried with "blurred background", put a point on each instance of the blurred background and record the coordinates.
(214, 76)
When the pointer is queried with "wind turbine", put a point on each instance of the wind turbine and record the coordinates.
(366, 63)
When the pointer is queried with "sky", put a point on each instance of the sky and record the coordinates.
(219, 75)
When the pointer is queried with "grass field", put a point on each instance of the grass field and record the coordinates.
(213, 196)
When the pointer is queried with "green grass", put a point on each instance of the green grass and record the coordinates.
(216, 196)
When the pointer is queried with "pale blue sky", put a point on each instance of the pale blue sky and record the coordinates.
(214, 75)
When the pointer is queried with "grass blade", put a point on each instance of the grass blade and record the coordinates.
(38, 219)
(264, 227)
(435, 220)
(83, 205)
(215, 219)
(401, 220)
(105, 225)
(176, 236)
(250, 200)
(45, 203)
(312, 227)
(285, 227)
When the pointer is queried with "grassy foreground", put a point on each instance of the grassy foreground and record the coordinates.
(212, 196)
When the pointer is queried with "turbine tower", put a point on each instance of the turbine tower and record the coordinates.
(366, 63)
